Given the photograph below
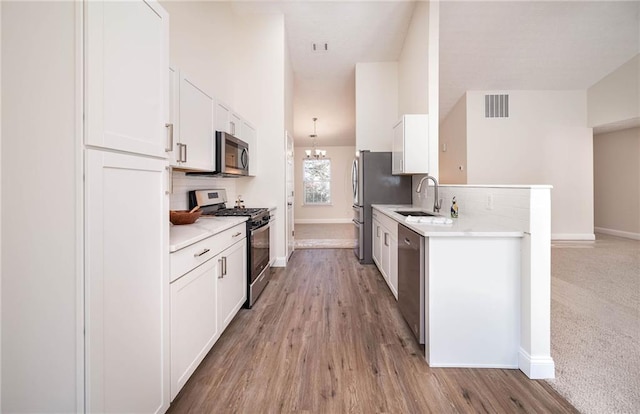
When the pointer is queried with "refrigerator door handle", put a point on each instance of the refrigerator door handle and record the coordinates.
(354, 180)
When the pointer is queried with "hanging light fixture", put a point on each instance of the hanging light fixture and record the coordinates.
(315, 152)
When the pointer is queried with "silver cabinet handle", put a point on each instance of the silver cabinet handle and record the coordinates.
(220, 272)
(232, 127)
(170, 133)
(205, 251)
(179, 145)
(407, 241)
(185, 152)
(170, 178)
(377, 231)
(386, 239)
(237, 234)
(224, 266)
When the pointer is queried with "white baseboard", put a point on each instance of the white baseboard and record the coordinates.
(324, 221)
(488, 366)
(573, 236)
(619, 233)
(279, 262)
(536, 367)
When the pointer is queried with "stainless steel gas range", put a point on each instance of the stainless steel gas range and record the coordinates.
(213, 203)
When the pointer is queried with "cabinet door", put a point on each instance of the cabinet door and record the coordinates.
(174, 119)
(126, 283)
(397, 152)
(222, 117)
(232, 282)
(376, 243)
(385, 253)
(393, 264)
(249, 136)
(194, 321)
(235, 125)
(196, 127)
(127, 85)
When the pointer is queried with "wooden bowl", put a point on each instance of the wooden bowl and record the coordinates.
(178, 217)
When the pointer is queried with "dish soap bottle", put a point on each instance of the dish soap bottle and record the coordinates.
(454, 208)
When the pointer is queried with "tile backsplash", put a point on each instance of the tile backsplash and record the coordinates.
(183, 183)
(510, 205)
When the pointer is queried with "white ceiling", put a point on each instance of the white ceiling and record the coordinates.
(506, 45)
(532, 45)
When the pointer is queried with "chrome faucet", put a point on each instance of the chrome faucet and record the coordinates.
(436, 203)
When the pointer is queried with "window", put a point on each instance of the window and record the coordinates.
(316, 181)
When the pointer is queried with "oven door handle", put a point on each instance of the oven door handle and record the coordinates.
(260, 229)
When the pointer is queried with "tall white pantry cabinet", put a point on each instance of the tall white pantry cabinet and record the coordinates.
(126, 108)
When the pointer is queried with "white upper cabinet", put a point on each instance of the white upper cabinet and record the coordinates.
(226, 120)
(235, 125)
(193, 133)
(223, 117)
(126, 81)
(249, 135)
(410, 149)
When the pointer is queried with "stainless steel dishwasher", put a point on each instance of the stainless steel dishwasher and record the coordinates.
(411, 289)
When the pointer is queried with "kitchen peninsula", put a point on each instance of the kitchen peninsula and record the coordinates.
(486, 276)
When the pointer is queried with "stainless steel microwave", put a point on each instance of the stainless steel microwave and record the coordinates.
(231, 158)
(232, 155)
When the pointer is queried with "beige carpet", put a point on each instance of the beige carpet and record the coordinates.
(324, 236)
(595, 323)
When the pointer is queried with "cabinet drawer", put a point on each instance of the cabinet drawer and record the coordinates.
(193, 256)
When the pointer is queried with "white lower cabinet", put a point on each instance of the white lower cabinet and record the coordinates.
(194, 321)
(232, 282)
(385, 249)
(208, 288)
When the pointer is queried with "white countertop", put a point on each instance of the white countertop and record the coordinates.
(463, 226)
(187, 234)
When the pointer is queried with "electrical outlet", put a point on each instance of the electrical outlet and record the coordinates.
(489, 201)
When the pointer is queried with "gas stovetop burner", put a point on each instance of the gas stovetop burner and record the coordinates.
(239, 211)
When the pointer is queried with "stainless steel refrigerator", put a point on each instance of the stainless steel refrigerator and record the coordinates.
(373, 183)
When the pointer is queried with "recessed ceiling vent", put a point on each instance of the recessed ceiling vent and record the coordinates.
(319, 47)
(496, 106)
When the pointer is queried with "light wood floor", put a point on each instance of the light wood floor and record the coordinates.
(322, 236)
(326, 337)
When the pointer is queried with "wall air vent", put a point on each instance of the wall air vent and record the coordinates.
(496, 106)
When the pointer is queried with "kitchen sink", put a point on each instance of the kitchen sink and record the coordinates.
(416, 213)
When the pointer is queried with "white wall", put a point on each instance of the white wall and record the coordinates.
(240, 59)
(201, 44)
(453, 145)
(340, 210)
(418, 73)
(616, 97)
(616, 159)
(40, 198)
(260, 96)
(544, 141)
(0, 206)
(376, 105)
(413, 65)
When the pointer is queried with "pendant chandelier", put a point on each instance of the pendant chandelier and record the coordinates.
(315, 152)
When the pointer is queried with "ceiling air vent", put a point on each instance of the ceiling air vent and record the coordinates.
(320, 47)
(496, 106)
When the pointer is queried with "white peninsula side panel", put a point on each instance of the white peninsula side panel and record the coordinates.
(474, 311)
